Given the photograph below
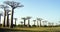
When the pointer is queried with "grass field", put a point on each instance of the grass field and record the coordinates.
(35, 29)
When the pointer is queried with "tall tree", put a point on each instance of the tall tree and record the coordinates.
(34, 21)
(52, 24)
(44, 22)
(21, 23)
(28, 18)
(4, 7)
(13, 6)
(24, 20)
(49, 24)
(40, 19)
(37, 23)
(7, 14)
(0, 17)
(15, 21)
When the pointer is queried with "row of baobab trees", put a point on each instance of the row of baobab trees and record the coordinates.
(28, 18)
(12, 5)
(38, 21)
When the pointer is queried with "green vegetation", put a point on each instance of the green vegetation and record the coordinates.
(34, 29)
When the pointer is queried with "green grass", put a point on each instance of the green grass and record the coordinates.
(35, 29)
(40, 28)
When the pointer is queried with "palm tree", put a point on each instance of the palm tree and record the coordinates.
(24, 20)
(13, 6)
(0, 17)
(4, 7)
(39, 19)
(15, 21)
(7, 14)
(34, 21)
(28, 18)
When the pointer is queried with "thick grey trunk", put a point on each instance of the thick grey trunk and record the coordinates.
(37, 24)
(28, 22)
(24, 22)
(40, 23)
(15, 22)
(7, 20)
(0, 19)
(4, 18)
(12, 18)
(34, 22)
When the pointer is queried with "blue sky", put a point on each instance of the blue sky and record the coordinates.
(46, 9)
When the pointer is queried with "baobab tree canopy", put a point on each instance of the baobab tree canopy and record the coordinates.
(39, 19)
(28, 17)
(4, 6)
(7, 11)
(13, 4)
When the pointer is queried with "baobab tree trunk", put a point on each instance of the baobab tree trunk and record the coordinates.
(24, 22)
(40, 23)
(8, 20)
(34, 22)
(4, 18)
(0, 19)
(15, 22)
(37, 24)
(12, 18)
(28, 22)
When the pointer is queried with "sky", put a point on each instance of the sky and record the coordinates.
(46, 9)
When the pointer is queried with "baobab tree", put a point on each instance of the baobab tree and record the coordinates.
(49, 24)
(24, 20)
(15, 21)
(34, 21)
(59, 22)
(39, 19)
(21, 23)
(4, 7)
(13, 5)
(37, 23)
(7, 14)
(44, 23)
(52, 24)
(28, 18)
(0, 17)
